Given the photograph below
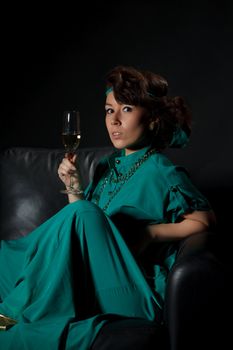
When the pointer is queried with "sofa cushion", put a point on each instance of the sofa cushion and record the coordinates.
(136, 334)
(30, 186)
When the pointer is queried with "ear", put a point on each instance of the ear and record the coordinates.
(153, 124)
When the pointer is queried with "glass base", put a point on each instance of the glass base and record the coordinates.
(71, 191)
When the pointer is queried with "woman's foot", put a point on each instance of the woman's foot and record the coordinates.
(6, 322)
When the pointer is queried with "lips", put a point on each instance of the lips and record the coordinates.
(116, 134)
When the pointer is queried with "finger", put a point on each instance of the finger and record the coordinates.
(68, 163)
(63, 170)
(73, 159)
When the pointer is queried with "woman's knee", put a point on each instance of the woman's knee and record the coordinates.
(90, 219)
(86, 213)
(83, 206)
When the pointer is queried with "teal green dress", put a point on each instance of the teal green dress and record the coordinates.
(76, 271)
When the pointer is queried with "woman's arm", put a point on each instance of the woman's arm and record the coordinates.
(190, 224)
(195, 222)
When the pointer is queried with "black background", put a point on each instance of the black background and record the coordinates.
(56, 58)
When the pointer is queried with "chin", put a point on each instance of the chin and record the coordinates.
(118, 144)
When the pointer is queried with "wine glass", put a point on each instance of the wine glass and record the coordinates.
(71, 136)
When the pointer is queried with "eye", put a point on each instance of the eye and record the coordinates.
(109, 110)
(127, 109)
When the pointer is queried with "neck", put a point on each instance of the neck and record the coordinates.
(137, 147)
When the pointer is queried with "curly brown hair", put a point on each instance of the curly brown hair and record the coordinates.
(149, 90)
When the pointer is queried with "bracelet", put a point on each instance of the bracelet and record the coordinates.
(79, 191)
(73, 190)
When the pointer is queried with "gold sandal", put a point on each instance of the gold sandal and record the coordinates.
(6, 322)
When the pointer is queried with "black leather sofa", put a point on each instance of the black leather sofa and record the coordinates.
(197, 299)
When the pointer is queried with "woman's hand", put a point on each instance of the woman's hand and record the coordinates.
(67, 169)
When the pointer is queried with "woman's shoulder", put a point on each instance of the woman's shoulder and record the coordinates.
(166, 167)
(160, 161)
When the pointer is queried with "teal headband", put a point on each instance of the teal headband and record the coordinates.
(110, 89)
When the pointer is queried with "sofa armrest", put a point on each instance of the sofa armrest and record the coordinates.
(195, 300)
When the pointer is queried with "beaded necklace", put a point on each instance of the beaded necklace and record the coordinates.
(122, 179)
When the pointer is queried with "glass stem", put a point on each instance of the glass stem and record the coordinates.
(70, 156)
(71, 182)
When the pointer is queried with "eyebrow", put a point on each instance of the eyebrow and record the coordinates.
(123, 104)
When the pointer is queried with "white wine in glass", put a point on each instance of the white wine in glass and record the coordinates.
(71, 137)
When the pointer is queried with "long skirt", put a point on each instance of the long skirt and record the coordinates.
(67, 278)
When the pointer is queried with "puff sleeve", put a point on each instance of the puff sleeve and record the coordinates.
(183, 197)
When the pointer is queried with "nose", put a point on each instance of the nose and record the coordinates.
(115, 119)
(115, 122)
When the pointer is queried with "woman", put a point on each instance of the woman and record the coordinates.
(98, 258)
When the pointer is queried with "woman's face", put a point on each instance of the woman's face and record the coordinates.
(127, 125)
